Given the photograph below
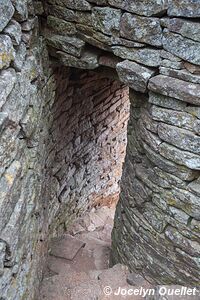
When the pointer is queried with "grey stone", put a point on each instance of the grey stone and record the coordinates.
(193, 110)
(148, 137)
(70, 45)
(21, 9)
(194, 187)
(169, 56)
(172, 64)
(7, 52)
(181, 242)
(106, 19)
(72, 4)
(3, 120)
(7, 182)
(179, 89)
(38, 8)
(171, 179)
(6, 13)
(172, 117)
(19, 57)
(148, 57)
(134, 75)
(165, 101)
(184, 48)
(184, 158)
(88, 60)
(7, 81)
(142, 7)
(168, 166)
(188, 29)
(184, 8)
(119, 41)
(29, 24)
(181, 138)
(141, 29)
(2, 256)
(180, 74)
(83, 17)
(62, 12)
(61, 27)
(183, 200)
(155, 217)
(93, 37)
(14, 31)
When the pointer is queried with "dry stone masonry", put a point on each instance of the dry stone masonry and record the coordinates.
(63, 132)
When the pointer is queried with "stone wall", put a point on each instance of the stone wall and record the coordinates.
(63, 139)
(154, 47)
(25, 88)
(86, 144)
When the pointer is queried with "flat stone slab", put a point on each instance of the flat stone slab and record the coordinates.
(66, 247)
(134, 75)
(175, 88)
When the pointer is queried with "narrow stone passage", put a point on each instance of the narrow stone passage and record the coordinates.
(78, 263)
(78, 266)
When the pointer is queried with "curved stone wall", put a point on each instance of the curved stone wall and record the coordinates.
(154, 46)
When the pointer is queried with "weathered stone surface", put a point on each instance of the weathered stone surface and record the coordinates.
(193, 110)
(169, 56)
(194, 69)
(21, 9)
(188, 159)
(180, 74)
(171, 64)
(7, 81)
(148, 57)
(148, 137)
(109, 60)
(106, 19)
(88, 60)
(141, 7)
(93, 37)
(3, 120)
(180, 138)
(6, 183)
(61, 27)
(62, 12)
(19, 57)
(72, 4)
(6, 13)
(181, 46)
(172, 117)
(141, 29)
(188, 246)
(172, 87)
(2, 256)
(70, 45)
(167, 102)
(6, 51)
(14, 31)
(134, 75)
(194, 187)
(186, 28)
(184, 8)
(168, 166)
(38, 8)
